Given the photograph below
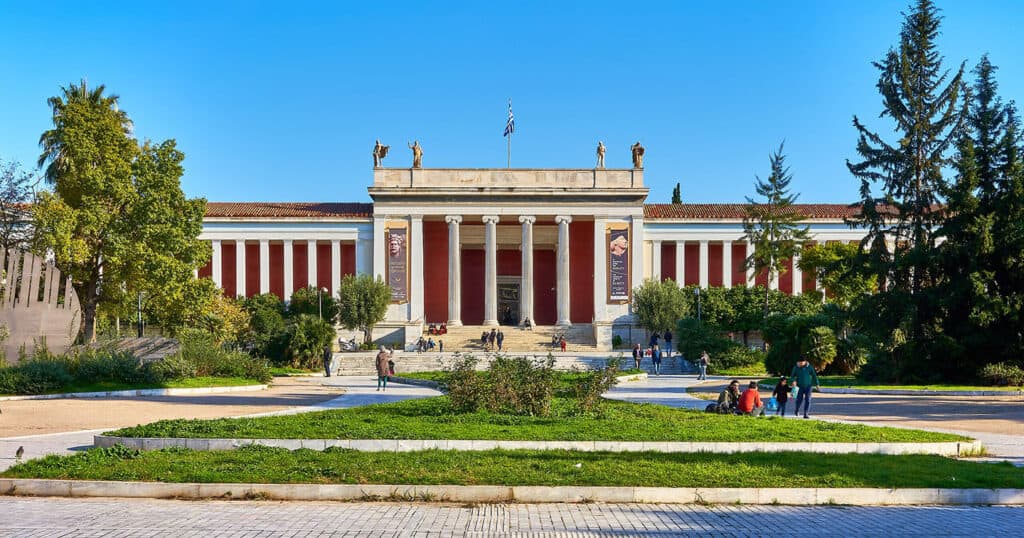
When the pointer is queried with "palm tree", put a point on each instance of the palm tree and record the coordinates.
(53, 141)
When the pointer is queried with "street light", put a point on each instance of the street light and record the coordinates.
(697, 291)
(138, 324)
(320, 301)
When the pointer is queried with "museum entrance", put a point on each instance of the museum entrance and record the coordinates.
(508, 300)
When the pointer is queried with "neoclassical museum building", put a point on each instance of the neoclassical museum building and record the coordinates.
(482, 247)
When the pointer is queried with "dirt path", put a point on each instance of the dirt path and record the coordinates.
(33, 417)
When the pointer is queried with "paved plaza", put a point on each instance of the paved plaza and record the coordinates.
(29, 517)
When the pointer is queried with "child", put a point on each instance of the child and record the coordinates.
(781, 395)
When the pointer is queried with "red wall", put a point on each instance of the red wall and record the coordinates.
(252, 269)
(739, 274)
(227, 268)
(323, 266)
(581, 271)
(300, 266)
(472, 287)
(692, 276)
(206, 271)
(348, 259)
(277, 269)
(510, 263)
(762, 278)
(435, 271)
(668, 261)
(545, 278)
(715, 267)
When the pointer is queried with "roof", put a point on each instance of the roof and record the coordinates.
(738, 211)
(289, 209)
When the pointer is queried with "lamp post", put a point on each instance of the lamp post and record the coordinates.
(320, 301)
(138, 323)
(697, 291)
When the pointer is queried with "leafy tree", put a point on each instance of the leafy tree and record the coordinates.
(773, 226)
(225, 320)
(116, 221)
(677, 197)
(267, 334)
(310, 300)
(928, 107)
(833, 264)
(659, 305)
(362, 303)
(308, 335)
(15, 195)
(819, 347)
(693, 338)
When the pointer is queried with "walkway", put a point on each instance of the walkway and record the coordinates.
(27, 517)
(310, 393)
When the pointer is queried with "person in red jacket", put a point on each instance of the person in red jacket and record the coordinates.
(750, 401)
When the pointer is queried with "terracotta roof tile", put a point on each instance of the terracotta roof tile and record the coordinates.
(737, 211)
(289, 209)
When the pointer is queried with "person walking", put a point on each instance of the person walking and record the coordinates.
(561, 343)
(781, 395)
(492, 338)
(328, 357)
(637, 355)
(440, 345)
(703, 363)
(804, 377)
(500, 339)
(656, 359)
(668, 343)
(383, 369)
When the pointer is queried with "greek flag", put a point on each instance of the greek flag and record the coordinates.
(510, 126)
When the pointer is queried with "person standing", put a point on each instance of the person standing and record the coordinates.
(561, 343)
(804, 376)
(668, 343)
(500, 339)
(492, 339)
(440, 345)
(703, 363)
(656, 359)
(383, 369)
(637, 355)
(328, 357)
(781, 395)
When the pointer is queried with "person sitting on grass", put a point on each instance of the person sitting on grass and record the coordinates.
(750, 401)
(729, 398)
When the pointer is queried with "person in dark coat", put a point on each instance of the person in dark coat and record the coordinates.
(500, 338)
(781, 395)
(637, 355)
(668, 343)
(328, 356)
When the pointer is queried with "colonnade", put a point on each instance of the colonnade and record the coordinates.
(704, 264)
(312, 273)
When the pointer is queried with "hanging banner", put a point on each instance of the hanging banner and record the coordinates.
(396, 238)
(618, 253)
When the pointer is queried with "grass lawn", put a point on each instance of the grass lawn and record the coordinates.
(190, 383)
(565, 379)
(433, 418)
(540, 468)
(754, 370)
(284, 371)
(849, 381)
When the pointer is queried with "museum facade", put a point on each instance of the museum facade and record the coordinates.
(483, 247)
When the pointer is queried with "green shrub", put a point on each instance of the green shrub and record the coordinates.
(307, 337)
(210, 359)
(593, 384)
(819, 347)
(694, 337)
(735, 357)
(1002, 374)
(466, 387)
(617, 341)
(170, 368)
(34, 377)
(91, 365)
(513, 386)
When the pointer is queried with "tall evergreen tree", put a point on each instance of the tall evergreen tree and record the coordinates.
(928, 107)
(677, 196)
(773, 226)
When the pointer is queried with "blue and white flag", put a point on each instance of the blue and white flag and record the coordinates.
(510, 126)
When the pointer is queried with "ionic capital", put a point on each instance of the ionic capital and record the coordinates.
(490, 219)
(456, 219)
(528, 219)
(563, 219)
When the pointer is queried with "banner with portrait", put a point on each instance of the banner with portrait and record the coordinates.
(396, 240)
(617, 244)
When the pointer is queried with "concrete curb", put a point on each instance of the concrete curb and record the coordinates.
(136, 393)
(953, 449)
(523, 494)
(909, 392)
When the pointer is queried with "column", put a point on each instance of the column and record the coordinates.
(681, 263)
(454, 271)
(215, 265)
(264, 266)
(490, 269)
(636, 245)
(526, 255)
(416, 269)
(380, 259)
(704, 264)
(751, 275)
(656, 261)
(600, 271)
(240, 268)
(727, 264)
(798, 276)
(563, 269)
(335, 266)
(289, 279)
(311, 264)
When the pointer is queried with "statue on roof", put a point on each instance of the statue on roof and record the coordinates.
(379, 152)
(638, 155)
(600, 154)
(417, 154)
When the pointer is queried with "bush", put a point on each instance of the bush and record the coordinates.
(593, 384)
(514, 386)
(819, 347)
(170, 368)
(693, 337)
(267, 333)
(307, 337)
(34, 377)
(616, 341)
(466, 387)
(210, 359)
(312, 302)
(1002, 374)
(92, 365)
(736, 356)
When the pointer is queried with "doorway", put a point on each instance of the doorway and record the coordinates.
(508, 300)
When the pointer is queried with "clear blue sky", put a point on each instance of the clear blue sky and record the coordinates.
(284, 101)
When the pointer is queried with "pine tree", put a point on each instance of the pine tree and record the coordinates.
(928, 107)
(773, 226)
(677, 197)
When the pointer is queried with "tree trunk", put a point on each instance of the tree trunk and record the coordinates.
(367, 335)
(90, 304)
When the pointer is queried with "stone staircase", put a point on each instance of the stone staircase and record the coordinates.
(579, 338)
(362, 363)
